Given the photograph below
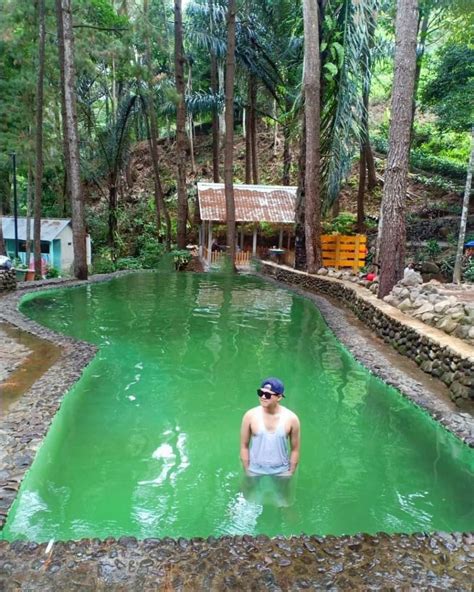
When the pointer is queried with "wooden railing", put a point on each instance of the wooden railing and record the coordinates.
(242, 258)
(339, 250)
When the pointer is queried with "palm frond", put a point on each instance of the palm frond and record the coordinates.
(341, 115)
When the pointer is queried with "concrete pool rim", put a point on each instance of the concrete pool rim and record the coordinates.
(26, 436)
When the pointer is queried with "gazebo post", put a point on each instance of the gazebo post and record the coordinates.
(209, 244)
(254, 243)
(280, 239)
(289, 239)
(241, 238)
(201, 238)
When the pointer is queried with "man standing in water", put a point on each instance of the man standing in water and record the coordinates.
(265, 433)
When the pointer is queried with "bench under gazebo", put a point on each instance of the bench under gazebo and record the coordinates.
(273, 204)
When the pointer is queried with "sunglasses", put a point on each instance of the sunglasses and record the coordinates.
(265, 394)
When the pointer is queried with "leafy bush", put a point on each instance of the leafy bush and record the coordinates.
(436, 182)
(344, 223)
(151, 252)
(181, 258)
(425, 161)
(51, 273)
(128, 263)
(468, 274)
(102, 265)
(432, 247)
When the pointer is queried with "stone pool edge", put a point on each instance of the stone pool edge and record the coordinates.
(298, 562)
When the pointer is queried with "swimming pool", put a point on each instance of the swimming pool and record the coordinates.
(147, 442)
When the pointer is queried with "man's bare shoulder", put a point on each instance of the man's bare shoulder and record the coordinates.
(252, 412)
(292, 416)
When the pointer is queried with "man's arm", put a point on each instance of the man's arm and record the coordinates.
(294, 444)
(245, 434)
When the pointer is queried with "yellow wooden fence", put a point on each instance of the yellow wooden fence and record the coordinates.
(339, 250)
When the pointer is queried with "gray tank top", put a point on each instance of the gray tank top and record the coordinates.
(269, 450)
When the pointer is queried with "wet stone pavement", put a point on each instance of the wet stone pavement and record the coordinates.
(439, 561)
(362, 562)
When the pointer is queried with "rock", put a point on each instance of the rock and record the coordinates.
(429, 267)
(442, 306)
(322, 271)
(460, 390)
(405, 305)
(447, 325)
(425, 307)
(411, 278)
(427, 366)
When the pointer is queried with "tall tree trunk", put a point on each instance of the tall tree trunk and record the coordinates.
(286, 149)
(66, 63)
(2, 241)
(215, 111)
(221, 83)
(248, 139)
(368, 65)
(366, 148)
(182, 213)
(464, 214)
(392, 231)
(370, 163)
(275, 128)
(311, 84)
(253, 128)
(361, 193)
(113, 226)
(29, 208)
(39, 140)
(423, 23)
(160, 205)
(229, 130)
(300, 248)
(191, 121)
(150, 120)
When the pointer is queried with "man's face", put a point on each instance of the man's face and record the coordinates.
(268, 397)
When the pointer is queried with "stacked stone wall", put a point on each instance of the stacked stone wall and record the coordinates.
(7, 280)
(454, 366)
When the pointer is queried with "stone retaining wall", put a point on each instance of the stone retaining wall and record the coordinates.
(445, 357)
(7, 280)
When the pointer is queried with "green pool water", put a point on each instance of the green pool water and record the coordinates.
(147, 442)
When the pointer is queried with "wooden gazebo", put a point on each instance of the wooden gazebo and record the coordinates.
(274, 204)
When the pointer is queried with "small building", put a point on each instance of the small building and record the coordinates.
(274, 204)
(57, 248)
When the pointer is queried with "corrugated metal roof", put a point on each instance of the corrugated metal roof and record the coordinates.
(253, 203)
(50, 228)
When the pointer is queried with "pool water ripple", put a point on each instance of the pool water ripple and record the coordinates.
(147, 442)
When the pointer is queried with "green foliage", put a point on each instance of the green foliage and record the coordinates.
(128, 263)
(427, 162)
(344, 223)
(468, 274)
(181, 258)
(432, 248)
(52, 272)
(150, 252)
(436, 182)
(448, 92)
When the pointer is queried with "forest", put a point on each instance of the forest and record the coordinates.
(115, 109)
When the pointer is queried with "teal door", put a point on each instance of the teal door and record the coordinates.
(56, 258)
